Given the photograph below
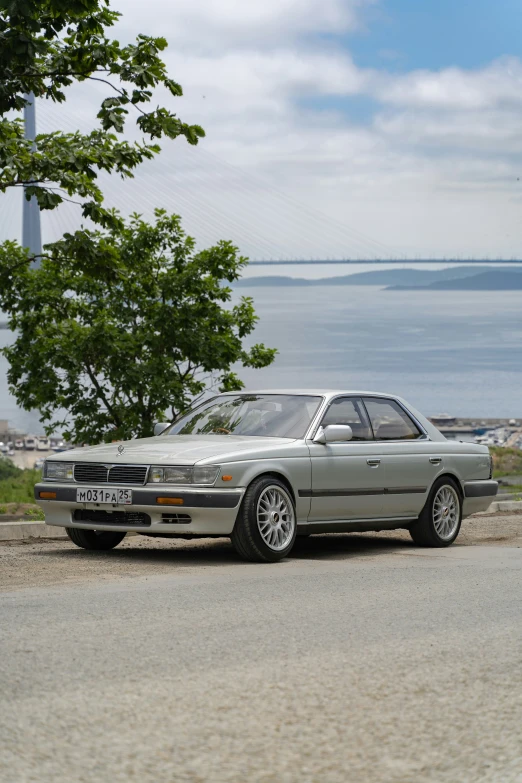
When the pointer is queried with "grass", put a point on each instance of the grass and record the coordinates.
(35, 513)
(19, 488)
(506, 462)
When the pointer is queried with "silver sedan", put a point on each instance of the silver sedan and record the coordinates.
(264, 467)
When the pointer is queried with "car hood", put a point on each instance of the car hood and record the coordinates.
(174, 449)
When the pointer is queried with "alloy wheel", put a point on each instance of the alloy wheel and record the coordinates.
(446, 512)
(275, 517)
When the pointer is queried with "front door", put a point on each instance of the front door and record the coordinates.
(347, 478)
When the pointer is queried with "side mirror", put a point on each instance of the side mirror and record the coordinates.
(333, 433)
(161, 427)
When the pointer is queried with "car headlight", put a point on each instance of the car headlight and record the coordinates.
(206, 474)
(180, 474)
(58, 471)
(171, 475)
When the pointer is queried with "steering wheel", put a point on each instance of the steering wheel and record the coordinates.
(222, 429)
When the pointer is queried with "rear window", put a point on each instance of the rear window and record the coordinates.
(390, 421)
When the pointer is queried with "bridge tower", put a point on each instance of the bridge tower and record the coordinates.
(31, 229)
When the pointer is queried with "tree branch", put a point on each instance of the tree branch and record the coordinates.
(62, 191)
(101, 394)
(21, 182)
(117, 89)
(37, 257)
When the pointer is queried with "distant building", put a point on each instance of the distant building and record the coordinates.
(4, 430)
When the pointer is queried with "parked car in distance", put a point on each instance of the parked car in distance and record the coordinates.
(19, 444)
(264, 467)
(30, 443)
(43, 444)
(59, 446)
(3, 448)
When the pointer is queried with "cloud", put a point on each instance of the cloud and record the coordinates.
(499, 84)
(493, 131)
(280, 73)
(215, 24)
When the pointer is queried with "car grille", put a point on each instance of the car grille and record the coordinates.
(112, 517)
(91, 473)
(176, 519)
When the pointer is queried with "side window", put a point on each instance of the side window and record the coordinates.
(389, 421)
(349, 410)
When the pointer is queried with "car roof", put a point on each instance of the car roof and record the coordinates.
(307, 392)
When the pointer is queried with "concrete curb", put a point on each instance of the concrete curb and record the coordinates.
(17, 531)
(502, 505)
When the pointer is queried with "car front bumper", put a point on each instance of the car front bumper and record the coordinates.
(212, 511)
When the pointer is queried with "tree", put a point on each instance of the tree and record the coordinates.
(119, 325)
(47, 45)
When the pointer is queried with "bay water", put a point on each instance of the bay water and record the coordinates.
(458, 352)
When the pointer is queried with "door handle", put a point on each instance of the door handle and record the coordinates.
(435, 460)
(373, 463)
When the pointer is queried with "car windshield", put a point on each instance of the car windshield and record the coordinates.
(268, 415)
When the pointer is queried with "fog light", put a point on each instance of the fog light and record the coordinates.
(47, 495)
(170, 501)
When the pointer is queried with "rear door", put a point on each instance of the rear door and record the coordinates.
(347, 478)
(410, 461)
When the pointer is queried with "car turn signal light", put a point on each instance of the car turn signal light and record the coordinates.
(170, 501)
(47, 495)
(226, 478)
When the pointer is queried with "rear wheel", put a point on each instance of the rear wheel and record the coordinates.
(94, 539)
(440, 519)
(265, 527)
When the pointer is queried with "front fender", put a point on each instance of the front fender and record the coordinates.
(296, 470)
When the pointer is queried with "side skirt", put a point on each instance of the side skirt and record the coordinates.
(355, 525)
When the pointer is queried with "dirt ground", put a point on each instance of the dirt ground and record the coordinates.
(44, 562)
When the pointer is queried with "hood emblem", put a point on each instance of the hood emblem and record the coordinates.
(121, 448)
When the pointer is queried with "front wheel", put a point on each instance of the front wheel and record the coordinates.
(94, 539)
(439, 522)
(265, 528)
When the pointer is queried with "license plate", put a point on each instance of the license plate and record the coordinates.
(108, 496)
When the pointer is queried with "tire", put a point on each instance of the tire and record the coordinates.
(94, 539)
(439, 522)
(266, 527)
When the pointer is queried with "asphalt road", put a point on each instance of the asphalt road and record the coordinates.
(362, 659)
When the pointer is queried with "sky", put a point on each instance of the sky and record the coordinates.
(337, 128)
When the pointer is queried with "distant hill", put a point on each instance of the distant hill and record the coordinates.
(397, 279)
(272, 280)
(344, 261)
(486, 281)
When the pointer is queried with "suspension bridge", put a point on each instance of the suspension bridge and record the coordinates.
(216, 200)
